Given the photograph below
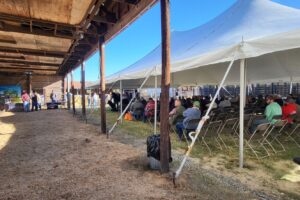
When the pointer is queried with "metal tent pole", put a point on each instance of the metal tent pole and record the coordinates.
(242, 103)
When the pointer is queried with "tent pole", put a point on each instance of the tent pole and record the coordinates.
(121, 115)
(242, 103)
(68, 93)
(83, 90)
(121, 99)
(165, 86)
(102, 85)
(73, 93)
(291, 86)
(155, 108)
(201, 123)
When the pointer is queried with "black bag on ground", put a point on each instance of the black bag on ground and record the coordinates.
(153, 147)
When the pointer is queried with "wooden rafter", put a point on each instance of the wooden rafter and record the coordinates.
(29, 63)
(34, 52)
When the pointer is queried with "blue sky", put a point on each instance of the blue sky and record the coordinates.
(144, 34)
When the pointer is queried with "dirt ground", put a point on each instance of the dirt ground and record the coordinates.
(53, 155)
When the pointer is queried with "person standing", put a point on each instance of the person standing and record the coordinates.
(26, 101)
(39, 100)
(34, 101)
(53, 97)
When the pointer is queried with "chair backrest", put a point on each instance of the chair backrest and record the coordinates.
(192, 124)
(213, 126)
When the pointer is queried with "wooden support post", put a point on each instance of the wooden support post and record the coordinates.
(102, 86)
(63, 89)
(73, 93)
(83, 90)
(68, 93)
(28, 83)
(165, 145)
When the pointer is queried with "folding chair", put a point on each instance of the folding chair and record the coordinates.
(296, 124)
(274, 132)
(228, 124)
(258, 139)
(209, 129)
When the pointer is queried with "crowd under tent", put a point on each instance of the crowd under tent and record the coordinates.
(255, 41)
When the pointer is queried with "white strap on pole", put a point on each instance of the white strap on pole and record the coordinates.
(202, 121)
(121, 115)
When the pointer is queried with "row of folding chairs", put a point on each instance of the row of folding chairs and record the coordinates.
(263, 142)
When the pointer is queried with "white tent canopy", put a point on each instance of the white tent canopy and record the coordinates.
(265, 33)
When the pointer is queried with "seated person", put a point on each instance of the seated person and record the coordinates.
(224, 103)
(149, 109)
(215, 105)
(189, 114)
(176, 115)
(289, 108)
(272, 109)
(137, 109)
(278, 99)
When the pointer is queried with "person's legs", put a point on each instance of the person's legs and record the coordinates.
(36, 106)
(257, 122)
(179, 129)
(25, 106)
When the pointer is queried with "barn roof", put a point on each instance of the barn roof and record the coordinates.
(53, 37)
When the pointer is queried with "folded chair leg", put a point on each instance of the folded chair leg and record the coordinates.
(218, 144)
(206, 145)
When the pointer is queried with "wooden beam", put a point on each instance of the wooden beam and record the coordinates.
(106, 20)
(102, 86)
(27, 68)
(35, 31)
(29, 63)
(165, 146)
(84, 25)
(73, 93)
(21, 19)
(34, 52)
(83, 90)
(133, 2)
(13, 57)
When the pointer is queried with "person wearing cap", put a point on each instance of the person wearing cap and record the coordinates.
(189, 114)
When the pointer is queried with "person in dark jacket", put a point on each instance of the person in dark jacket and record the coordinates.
(34, 100)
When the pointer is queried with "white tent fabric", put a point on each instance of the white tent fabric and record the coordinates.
(267, 34)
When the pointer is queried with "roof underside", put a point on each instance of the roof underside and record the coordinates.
(53, 37)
